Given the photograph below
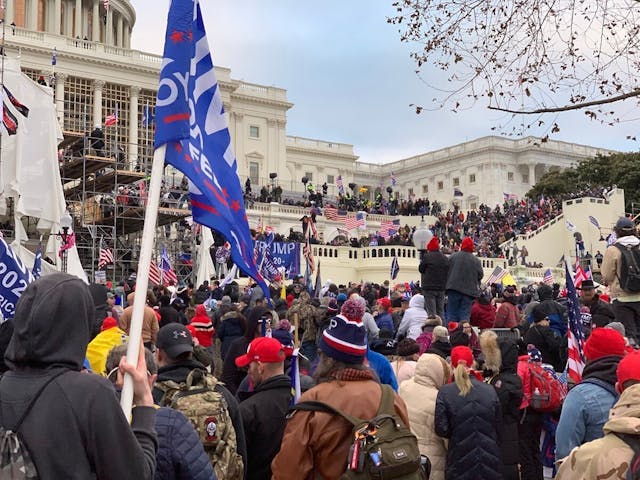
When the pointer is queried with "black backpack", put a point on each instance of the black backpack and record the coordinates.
(15, 459)
(383, 446)
(629, 268)
(633, 473)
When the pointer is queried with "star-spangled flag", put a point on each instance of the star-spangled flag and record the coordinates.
(105, 258)
(112, 119)
(580, 275)
(154, 274)
(575, 332)
(331, 213)
(510, 197)
(395, 268)
(389, 227)
(340, 185)
(168, 275)
(548, 277)
(190, 121)
(37, 262)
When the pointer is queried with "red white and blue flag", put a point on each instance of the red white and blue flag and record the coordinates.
(548, 277)
(580, 275)
(389, 228)
(112, 119)
(168, 275)
(190, 121)
(340, 185)
(510, 197)
(575, 332)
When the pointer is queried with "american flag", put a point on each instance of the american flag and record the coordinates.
(340, 185)
(497, 275)
(575, 333)
(395, 268)
(154, 274)
(112, 119)
(331, 213)
(393, 180)
(168, 275)
(389, 227)
(508, 197)
(548, 277)
(352, 222)
(105, 258)
(307, 253)
(579, 276)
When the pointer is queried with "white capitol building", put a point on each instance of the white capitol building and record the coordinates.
(97, 74)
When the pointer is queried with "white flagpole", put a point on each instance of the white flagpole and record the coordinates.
(142, 278)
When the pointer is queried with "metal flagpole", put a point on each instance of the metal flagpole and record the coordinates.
(142, 278)
(2, 53)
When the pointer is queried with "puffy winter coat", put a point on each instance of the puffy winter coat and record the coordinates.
(471, 425)
(508, 315)
(434, 268)
(419, 393)
(483, 316)
(611, 267)
(230, 329)
(414, 318)
(465, 273)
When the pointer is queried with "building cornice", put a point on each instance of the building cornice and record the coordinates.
(262, 101)
(321, 153)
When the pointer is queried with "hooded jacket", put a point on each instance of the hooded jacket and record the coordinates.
(420, 393)
(434, 268)
(586, 408)
(264, 418)
(76, 429)
(203, 325)
(603, 458)
(507, 315)
(465, 273)
(611, 269)
(414, 318)
(557, 313)
(230, 329)
(483, 315)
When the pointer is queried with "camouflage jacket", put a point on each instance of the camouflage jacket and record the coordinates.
(308, 316)
(607, 457)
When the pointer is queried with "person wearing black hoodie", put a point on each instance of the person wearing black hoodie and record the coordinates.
(79, 411)
(545, 339)
(500, 370)
(434, 267)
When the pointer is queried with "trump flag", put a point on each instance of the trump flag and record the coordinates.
(190, 120)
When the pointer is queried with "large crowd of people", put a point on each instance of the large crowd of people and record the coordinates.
(472, 373)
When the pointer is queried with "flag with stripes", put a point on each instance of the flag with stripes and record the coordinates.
(105, 258)
(331, 213)
(497, 275)
(340, 185)
(594, 221)
(395, 268)
(112, 119)
(510, 197)
(587, 273)
(580, 276)
(389, 228)
(37, 262)
(168, 275)
(155, 277)
(354, 221)
(307, 253)
(575, 333)
(548, 277)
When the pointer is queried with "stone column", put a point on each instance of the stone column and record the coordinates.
(32, 15)
(532, 174)
(272, 155)
(127, 35)
(119, 32)
(60, 79)
(10, 13)
(109, 36)
(132, 146)
(68, 18)
(78, 19)
(97, 102)
(95, 21)
(57, 16)
(238, 148)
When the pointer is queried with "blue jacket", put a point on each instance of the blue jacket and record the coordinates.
(383, 369)
(385, 320)
(586, 408)
(180, 454)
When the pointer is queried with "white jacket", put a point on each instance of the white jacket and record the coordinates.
(414, 318)
(420, 393)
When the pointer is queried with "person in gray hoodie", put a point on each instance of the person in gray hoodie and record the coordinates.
(76, 429)
(463, 282)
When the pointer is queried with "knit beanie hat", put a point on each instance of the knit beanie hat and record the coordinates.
(345, 339)
(534, 353)
(440, 332)
(433, 245)
(461, 354)
(604, 342)
(629, 367)
(467, 245)
(353, 309)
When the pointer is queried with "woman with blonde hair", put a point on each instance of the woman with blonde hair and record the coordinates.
(419, 393)
(468, 414)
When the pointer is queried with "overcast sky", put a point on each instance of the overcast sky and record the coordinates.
(347, 74)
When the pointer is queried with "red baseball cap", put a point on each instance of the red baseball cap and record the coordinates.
(262, 349)
(629, 367)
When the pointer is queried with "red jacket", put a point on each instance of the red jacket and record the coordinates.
(482, 316)
(507, 316)
(525, 376)
(203, 326)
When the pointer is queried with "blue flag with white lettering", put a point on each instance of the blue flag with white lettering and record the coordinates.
(190, 121)
(14, 278)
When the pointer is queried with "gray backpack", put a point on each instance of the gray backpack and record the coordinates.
(15, 460)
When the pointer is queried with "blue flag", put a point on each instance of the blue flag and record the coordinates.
(13, 279)
(54, 56)
(37, 262)
(147, 117)
(190, 121)
(395, 268)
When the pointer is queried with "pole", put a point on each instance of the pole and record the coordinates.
(142, 279)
